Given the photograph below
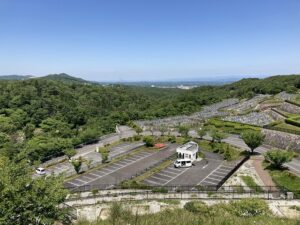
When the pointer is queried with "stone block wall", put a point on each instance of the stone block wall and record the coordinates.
(282, 140)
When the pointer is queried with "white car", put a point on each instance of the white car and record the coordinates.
(40, 171)
(181, 163)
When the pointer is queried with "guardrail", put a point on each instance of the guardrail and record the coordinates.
(185, 192)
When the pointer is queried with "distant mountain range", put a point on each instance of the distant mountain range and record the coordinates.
(16, 77)
(57, 77)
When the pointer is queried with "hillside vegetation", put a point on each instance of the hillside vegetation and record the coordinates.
(42, 118)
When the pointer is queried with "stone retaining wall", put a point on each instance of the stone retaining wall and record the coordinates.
(282, 140)
(288, 107)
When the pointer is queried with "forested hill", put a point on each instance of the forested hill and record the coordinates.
(43, 117)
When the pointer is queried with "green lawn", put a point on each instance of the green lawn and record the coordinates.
(249, 181)
(286, 179)
(229, 152)
(288, 126)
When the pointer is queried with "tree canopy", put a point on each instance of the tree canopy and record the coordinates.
(30, 201)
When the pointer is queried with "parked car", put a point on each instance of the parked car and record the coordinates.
(40, 171)
(182, 163)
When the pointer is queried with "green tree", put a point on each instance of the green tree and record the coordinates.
(138, 130)
(77, 163)
(163, 129)
(201, 132)
(30, 201)
(183, 130)
(69, 152)
(216, 135)
(253, 139)
(149, 141)
(278, 157)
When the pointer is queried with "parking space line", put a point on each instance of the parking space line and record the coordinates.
(95, 174)
(166, 171)
(82, 181)
(92, 175)
(176, 176)
(105, 169)
(213, 175)
(226, 170)
(210, 182)
(219, 172)
(128, 160)
(113, 166)
(155, 177)
(161, 173)
(210, 178)
(209, 174)
(69, 182)
(151, 181)
(110, 171)
(119, 164)
(228, 167)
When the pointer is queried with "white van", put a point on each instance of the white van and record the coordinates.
(181, 163)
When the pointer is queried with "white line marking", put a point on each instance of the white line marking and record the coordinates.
(210, 178)
(213, 175)
(218, 172)
(69, 182)
(82, 181)
(176, 176)
(155, 177)
(161, 173)
(111, 171)
(166, 171)
(210, 182)
(209, 174)
(153, 182)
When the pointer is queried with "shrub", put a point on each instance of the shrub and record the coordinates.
(149, 141)
(160, 190)
(172, 139)
(196, 207)
(137, 137)
(278, 157)
(250, 207)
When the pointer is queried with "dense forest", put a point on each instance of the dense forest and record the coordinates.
(41, 118)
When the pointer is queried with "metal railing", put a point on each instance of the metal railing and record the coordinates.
(185, 192)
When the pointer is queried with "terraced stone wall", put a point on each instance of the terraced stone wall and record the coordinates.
(282, 140)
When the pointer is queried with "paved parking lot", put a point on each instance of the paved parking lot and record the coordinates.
(114, 173)
(217, 175)
(208, 171)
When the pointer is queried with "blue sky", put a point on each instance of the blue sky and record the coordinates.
(124, 40)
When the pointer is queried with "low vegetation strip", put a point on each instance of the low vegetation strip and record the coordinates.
(292, 102)
(286, 180)
(249, 181)
(243, 212)
(232, 127)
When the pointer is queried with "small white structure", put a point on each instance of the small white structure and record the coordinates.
(188, 151)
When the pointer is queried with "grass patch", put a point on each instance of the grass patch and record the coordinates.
(249, 181)
(169, 201)
(285, 179)
(231, 127)
(288, 126)
(244, 212)
(228, 152)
